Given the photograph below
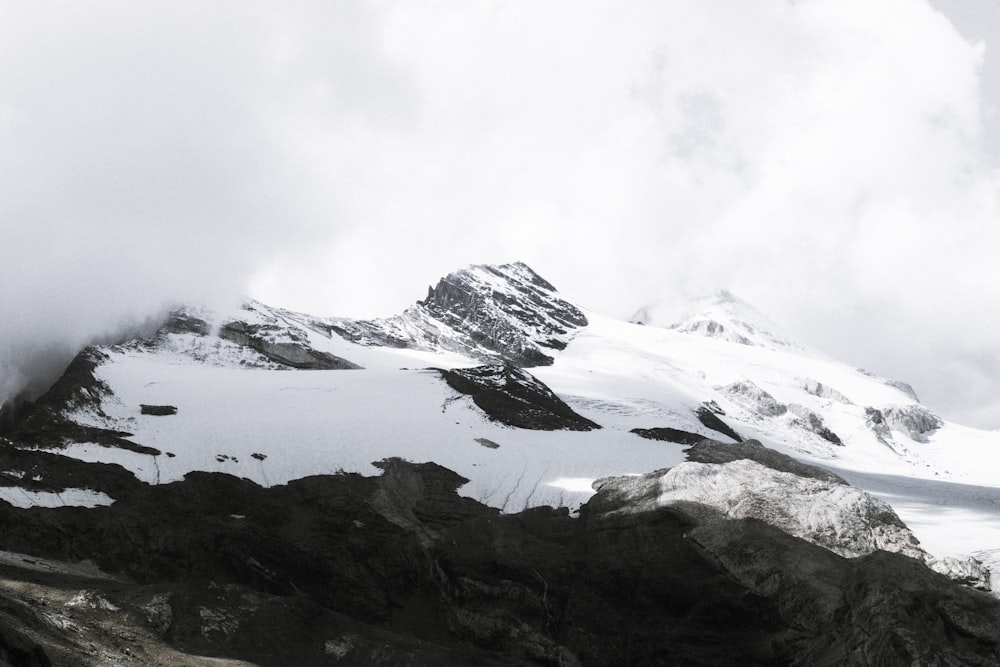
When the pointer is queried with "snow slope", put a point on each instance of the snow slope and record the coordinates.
(241, 412)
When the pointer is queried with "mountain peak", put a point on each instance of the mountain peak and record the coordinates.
(491, 312)
(502, 278)
(721, 314)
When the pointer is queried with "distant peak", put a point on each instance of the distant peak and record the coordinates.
(720, 314)
(514, 273)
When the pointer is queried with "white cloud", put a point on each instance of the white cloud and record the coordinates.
(823, 158)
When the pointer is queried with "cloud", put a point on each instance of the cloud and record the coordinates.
(150, 156)
(822, 158)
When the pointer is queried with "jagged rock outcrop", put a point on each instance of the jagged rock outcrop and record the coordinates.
(808, 420)
(754, 399)
(186, 319)
(514, 397)
(841, 518)
(748, 480)
(915, 421)
(761, 405)
(875, 421)
(495, 313)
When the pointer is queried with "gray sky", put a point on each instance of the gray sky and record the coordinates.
(834, 162)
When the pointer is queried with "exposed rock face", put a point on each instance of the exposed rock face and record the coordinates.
(710, 419)
(515, 397)
(841, 518)
(187, 320)
(879, 609)
(158, 410)
(808, 420)
(755, 399)
(284, 344)
(398, 569)
(747, 480)
(45, 422)
(495, 313)
(712, 451)
(875, 420)
(913, 420)
(761, 404)
(667, 434)
(78, 388)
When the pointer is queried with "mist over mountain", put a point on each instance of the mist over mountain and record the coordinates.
(840, 175)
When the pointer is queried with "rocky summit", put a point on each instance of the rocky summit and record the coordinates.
(495, 476)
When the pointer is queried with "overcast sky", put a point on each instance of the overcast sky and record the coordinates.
(834, 162)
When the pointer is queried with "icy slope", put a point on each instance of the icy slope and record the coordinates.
(272, 426)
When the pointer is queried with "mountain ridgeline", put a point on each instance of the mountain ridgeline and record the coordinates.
(491, 477)
(506, 313)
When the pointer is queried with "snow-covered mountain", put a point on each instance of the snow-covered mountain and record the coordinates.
(534, 401)
(720, 315)
(722, 364)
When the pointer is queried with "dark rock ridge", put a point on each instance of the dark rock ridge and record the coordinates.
(712, 451)
(710, 419)
(46, 422)
(667, 434)
(157, 410)
(399, 569)
(495, 313)
(514, 397)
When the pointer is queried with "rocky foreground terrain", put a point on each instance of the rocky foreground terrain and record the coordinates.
(400, 570)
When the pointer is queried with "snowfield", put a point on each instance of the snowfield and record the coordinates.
(236, 414)
(274, 426)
